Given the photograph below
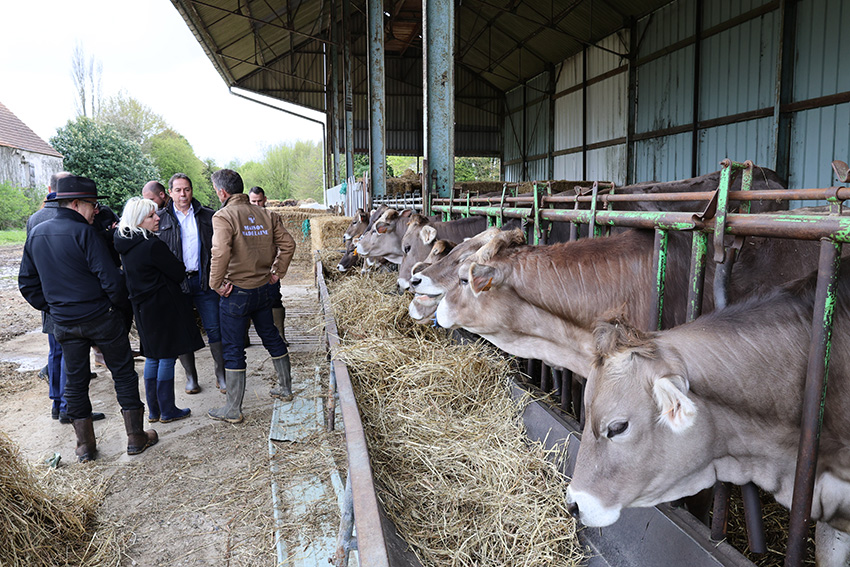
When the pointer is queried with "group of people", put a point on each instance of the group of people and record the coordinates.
(166, 255)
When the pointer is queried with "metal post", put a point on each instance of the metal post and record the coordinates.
(347, 87)
(438, 24)
(377, 99)
(660, 255)
(817, 375)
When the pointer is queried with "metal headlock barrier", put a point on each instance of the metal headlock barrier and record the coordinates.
(541, 207)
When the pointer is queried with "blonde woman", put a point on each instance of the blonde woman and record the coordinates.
(163, 312)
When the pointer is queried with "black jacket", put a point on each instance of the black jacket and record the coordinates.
(67, 270)
(163, 312)
(169, 232)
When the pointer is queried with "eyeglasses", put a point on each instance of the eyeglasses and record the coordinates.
(92, 203)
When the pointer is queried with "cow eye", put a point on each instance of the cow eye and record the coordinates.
(463, 281)
(406, 248)
(617, 428)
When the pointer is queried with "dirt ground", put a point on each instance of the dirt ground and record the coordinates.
(202, 495)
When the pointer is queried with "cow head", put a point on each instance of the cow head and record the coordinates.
(383, 240)
(415, 246)
(644, 441)
(350, 257)
(357, 227)
(429, 283)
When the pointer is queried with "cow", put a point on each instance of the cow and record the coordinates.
(353, 233)
(542, 301)
(357, 227)
(668, 413)
(422, 233)
(383, 239)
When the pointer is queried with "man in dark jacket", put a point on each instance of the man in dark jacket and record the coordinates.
(186, 227)
(67, 271)
(56, 377)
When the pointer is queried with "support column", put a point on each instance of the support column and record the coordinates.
(781, 151)
(333, 129)
(438, 24)
(349, 96)
(377, 131)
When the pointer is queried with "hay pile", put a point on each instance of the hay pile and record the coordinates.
(297, 222)
(51, 520)
(326, 232)
(454, 469)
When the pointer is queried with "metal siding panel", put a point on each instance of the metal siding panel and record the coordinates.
(820, 48)
(607, 164)
(670, 24)
(739, 68)
(600, 61)
(663, 159)
(569, 73)
(607, 109)
(665, 91)
(538, 170)
(568, 167)
(738, 142)
(537, 124)
(818, 136)
(718, 11)
(568, 112)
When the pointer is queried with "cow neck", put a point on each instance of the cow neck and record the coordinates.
(580, 281)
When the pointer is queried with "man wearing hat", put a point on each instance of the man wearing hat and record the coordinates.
(67, 271)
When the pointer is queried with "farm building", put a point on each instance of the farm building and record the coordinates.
(25, 159)
(609, 93)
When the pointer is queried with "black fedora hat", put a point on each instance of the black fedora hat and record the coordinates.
(75, 187)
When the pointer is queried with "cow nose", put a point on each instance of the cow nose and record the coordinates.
(572, 508)
(414, 281)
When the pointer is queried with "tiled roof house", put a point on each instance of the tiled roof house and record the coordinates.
(25, 159)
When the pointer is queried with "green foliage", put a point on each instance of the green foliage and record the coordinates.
(15, 207)
(18, 236)
(400, 164)
(99, 152)
(476, 169)
(287, 171)
(171, 153)
(132, 119)
(361, 166)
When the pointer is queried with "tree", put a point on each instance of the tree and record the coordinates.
(133, 120)
(86, 74)
(171, 153)
(115, 164)
(476, 169)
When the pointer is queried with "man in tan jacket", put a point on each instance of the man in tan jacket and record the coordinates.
(251, 251)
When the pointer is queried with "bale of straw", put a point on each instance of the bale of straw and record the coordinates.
(48, 522)
(454, 469)
(326, 232)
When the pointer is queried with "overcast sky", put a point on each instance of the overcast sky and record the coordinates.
(147, 50)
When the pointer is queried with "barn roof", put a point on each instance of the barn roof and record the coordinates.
(277, 48)
(15, 134)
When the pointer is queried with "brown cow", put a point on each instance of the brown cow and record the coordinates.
(422, 233)
(383, 240)
(720, 399)
(355, 230)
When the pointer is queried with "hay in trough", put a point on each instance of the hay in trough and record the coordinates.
(454, 468)
(51, 519)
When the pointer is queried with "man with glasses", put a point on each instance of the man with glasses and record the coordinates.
(186, 227)
(67, 271)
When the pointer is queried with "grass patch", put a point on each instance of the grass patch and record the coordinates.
(13, 236)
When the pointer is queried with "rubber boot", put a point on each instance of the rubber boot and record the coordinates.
(217, 351)
(153, 401)
(247, 339)
(86, 445)
(188, 362)
(137, 438)
(284, 378)
(168, 410)
(232, 410)
(279, 315)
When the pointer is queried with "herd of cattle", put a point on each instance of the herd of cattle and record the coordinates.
(667, 413)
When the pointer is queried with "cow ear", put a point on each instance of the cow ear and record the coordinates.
(501, 240)
(482, 278)
(676, 409)
(427, 234)
(382, 227)
(614, 333)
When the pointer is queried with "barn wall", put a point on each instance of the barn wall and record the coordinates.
(22, 168)
(699, 102)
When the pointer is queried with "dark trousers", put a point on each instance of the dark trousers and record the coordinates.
(109, 333)
(56, 376)
(240, 307)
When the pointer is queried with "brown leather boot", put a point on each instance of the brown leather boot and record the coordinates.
(86, 445)
(137, 438)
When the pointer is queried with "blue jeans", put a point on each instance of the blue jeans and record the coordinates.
(160, 369)
(109, 332)
(56, 377)
(241, 306)
(206, 302)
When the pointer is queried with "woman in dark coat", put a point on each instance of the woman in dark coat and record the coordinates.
(162, 311)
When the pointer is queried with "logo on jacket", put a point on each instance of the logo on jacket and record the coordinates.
(251, 219)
